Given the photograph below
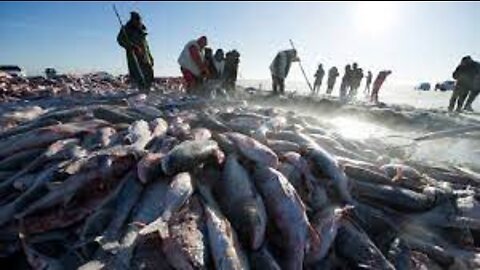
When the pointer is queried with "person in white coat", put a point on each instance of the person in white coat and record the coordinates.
(219, 63)
(192, 63)
(280, 68)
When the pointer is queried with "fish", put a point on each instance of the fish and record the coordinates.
(64, 115)
(326, 224)
(60, 150)
(148, 254)
(179, 130)
(87, 198)
(158, 127)
(393, 170)
(303, 140)
(326, 164)
(366, 175)
(118, 253)
(37, 260)
(210, 122)
(108, 113)
(35, 192)
(148, 167)
(103, 137)
(25, 182)
(280, 147)
(186, 245)
(100, 171)
(179, 191)
(224, 246)
(261, 259)
(435, 252)
(29, 126)
(253, 150)
(189, 154)
(138, 134)
(19, 159)
(225, 144)
(399, 254)
(243, 206)
(395, 197)
(42, 137)
(198, 134)
(96, 223)
(357, 250)
(125, 201)
(287, 211)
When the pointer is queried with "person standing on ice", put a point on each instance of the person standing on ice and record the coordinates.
(472, 95)
(368, 83)
(332, 78)
(134, 40)
(464, 75)
(318, 79)
(377, 84)
(219, 64)
(346, 82)
(280, 67)
(230, 72)
(355, 80)
(192, 63)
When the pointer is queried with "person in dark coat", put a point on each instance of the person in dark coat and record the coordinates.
(377, 84)
(464, 75)
(473, 94)
(368, 83)
(232, 60)
(280, 67)
(346, 83)
(332, 78)
(318, 79)
(133, 38)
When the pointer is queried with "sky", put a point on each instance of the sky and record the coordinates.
(417, 41)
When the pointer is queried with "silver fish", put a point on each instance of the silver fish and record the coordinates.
(179, 191)
(242, 204)
(190, 154)
(253, 150)
(287, 211)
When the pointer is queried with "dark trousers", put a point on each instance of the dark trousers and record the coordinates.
(367, 88)
(278, 85)
(330, 85)
(458, 96)
(472, 95)
(316, 87)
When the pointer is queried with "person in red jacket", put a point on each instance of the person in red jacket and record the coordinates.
(192, 63)
(377, 84)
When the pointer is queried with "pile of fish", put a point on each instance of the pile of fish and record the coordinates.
(171, 182)
(14, 88)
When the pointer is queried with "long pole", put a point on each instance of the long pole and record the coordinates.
(135, 60)
(303, 71)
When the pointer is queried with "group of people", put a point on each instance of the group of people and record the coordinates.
(467, 85)
(198, 64)
(349, 86)
(351, 81)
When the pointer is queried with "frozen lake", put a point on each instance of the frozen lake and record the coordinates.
(390, 93)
